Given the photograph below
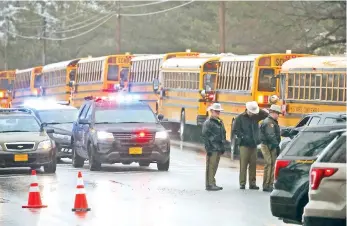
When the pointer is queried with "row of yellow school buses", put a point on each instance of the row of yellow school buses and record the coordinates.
(182, 85)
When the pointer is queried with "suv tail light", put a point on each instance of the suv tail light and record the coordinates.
(279, 165)
(317, 174)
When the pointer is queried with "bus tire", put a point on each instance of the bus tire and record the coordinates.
(182, 125)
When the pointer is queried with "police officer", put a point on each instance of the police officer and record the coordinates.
(246, 128)
(213, 133)
(270, 139)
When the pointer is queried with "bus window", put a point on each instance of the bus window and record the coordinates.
(38, 81)
(209, 82)
(6, 84)
(112, 74)
(124, 74)
(265, 82)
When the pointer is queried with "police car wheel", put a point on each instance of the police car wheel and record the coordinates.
(94, 165)
(51, 167)
(164, 166)
(77, 161)
(145, 164)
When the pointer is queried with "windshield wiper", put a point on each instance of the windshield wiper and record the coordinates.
(15, 131)
(52, 123)
(104, 123)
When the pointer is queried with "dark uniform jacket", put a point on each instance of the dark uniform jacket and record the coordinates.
(214, 135)
(270, 133)
(246, 128)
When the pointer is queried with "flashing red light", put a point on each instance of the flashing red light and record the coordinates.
(265, 61)
(211, 96)
(279, 165)
(317, 175)
(142, 134)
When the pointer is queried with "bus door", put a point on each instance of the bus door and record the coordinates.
(36, 82)
(112, 78)
(6, 88)
(209, 83)
(71, 81)
(124, 77)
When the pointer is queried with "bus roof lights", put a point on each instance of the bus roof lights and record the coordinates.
(188, 50)
(288, 51)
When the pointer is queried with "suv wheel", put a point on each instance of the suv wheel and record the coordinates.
(144, 164)
(164, 166)
(94, 164)
(77, 161)
(51, 167)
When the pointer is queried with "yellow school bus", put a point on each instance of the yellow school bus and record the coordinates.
(189, 85)
(246, 78)
(144, 73)
(100, 76)
(6, 88)
(58, 78)
(27, 85)
(312, 84)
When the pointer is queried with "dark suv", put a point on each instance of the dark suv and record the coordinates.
(290, 194)
(119, 131)
(317, 118)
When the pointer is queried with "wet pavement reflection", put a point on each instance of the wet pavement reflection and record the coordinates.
(132, 195)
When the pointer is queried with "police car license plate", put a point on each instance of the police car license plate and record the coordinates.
(135, 151)
(21, 158)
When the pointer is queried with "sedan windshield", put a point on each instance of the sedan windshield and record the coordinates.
(125, 116)
(310, 144)
(58, 116)
(19, 124)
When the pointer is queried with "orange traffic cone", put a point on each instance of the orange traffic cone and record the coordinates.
(81, 204)
(34, 200)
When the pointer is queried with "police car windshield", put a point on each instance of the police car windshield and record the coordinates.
(125, 115)
(18, 124)
(58, 116)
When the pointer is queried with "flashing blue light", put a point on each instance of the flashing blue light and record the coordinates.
(125, 98)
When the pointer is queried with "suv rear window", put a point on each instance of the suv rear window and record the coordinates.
(337, 153)
(309, 143)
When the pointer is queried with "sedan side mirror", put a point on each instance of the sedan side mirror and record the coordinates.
(49, 130)
(160, 117)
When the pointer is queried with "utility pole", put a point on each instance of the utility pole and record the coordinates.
(43, 39)
(118, 29)
(222, 26)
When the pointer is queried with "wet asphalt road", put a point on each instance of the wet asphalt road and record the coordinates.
(134, 196)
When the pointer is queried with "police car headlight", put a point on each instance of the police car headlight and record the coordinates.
(104, 135)
(161, 135)
(45, 145)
